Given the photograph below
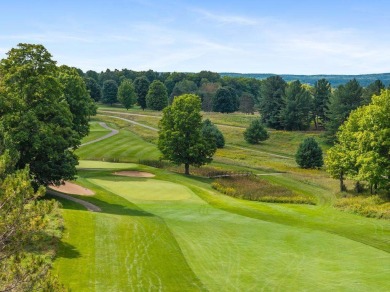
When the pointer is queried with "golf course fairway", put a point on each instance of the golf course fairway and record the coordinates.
(161, 234)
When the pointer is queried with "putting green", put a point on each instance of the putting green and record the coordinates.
(232, 252)
(144, 189)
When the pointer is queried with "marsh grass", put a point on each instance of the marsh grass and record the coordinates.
(369, 206)
(256, 189)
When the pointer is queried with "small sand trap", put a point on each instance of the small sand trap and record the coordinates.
(133, 173)
(71, 188)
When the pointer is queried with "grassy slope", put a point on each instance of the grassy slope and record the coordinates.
(237, 252)
(271, 246)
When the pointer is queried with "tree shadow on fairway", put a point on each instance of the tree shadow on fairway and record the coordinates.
(116, 206)
(68, 251)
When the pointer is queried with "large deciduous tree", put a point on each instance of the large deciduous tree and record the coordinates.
(126, 94)
(225, 100)
(183, 87)
(36, 119)
(110, 92)
(157, 97)
(271, 102)
(80, 103)
(94, 88)
(362, 151)
(141, 87)
(180, 135)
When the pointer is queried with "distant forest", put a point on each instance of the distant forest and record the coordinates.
(335, 80)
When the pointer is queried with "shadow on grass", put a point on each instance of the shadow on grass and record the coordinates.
(68, 251)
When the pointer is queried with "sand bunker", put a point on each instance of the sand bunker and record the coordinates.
(71, 188)
(133, 173)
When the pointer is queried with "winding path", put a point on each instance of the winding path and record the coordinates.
(104, 125)
(88, 205)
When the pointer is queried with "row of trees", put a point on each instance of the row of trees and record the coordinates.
(44, 114)
(282, 105)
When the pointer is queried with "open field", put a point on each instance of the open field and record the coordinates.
(176, 233)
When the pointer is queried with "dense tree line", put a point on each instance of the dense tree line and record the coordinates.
(282, 105)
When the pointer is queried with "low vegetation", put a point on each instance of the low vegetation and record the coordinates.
(256, 189)
(369, 206)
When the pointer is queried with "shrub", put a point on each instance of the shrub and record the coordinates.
(256, 133)
(210, 131)
(309, 154)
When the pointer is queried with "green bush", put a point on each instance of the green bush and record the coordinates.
(309, 154)
(256, 133)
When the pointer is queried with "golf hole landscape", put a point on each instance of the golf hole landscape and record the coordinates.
(179, 181)
(160, 230)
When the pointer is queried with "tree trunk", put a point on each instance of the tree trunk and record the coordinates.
(358, 187)
(342, 185)
(187, 168)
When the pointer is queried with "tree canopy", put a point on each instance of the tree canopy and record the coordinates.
(271, 102)
(93, 88)
(110, 92)
(180, 135)
(345, 99)
(225, 100)
(40, 116)
(157, 97)
(295, 113)
(211, 132)
(126, 94)
(141, 87)
(322, 93)
(309, 154)
(363, 145)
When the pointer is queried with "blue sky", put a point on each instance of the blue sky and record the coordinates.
(295, 37)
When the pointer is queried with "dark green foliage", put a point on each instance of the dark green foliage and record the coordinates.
(157, 97)
(271, 102)
(180, 136)
(345, 99)
(247, 103)
(94, 89)
(126, 94)
(141, 87)
(35, 117)
(256, 133)
(374, 88)
(212, 133)
(322, 93)
(182, 87)
(109, 75)
(309, 154)
(110, 92)
(80, 103)
(172, 79)
(295, 114)
(225, 100)
(92, 74)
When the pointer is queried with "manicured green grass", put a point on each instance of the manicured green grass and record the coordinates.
(226, 243)
(95, 131)
(124, 147)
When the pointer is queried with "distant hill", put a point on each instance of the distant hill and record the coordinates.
(335, 80)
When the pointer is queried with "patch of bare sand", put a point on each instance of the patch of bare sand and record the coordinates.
(133, 173)
(71, 188)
